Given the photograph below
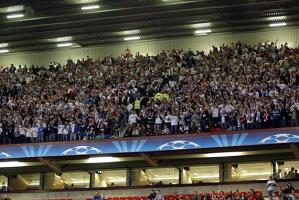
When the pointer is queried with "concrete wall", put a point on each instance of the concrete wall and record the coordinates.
(82, 195)
(152, 47)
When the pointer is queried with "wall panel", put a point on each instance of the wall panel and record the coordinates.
(152, 47)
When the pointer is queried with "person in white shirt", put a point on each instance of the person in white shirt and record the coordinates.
(133, 117)
(293, 195)
(158, 122)
(167, 120)
(250, 119)
(271, 185)
(215, 115)
(66, 131)
(159, 196)
(34, 132)
(223, 119)
(22, 132)
(60, 131)
(174, 122)
(73, 135)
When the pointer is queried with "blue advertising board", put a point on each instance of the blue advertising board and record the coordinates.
(151, 144)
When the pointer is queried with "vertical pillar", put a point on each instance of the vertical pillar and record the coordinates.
(8, 184)
(180, 175)
(129, 177)
(91, 180)
(221, 172)
(42, 181)
(226, 172)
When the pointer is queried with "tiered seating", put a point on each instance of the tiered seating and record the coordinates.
(182, 196)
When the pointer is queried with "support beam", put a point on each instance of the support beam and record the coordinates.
(295, 150)
(152, 162)
(51, 164)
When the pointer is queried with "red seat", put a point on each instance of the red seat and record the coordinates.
(259, 193)
(184, 196)
(143, 198)
(129, 198)
(88, 198)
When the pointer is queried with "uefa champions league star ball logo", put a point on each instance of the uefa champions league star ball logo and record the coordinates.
(280, 138)
(178, 144)
(81, 150)
(4, 155)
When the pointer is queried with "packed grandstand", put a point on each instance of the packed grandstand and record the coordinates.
(234, 87)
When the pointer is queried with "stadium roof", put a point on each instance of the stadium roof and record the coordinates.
(35, 25)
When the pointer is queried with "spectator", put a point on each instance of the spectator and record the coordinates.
(293, 195)
(271, 185)
(288, 189)
(159, 196)
(97, 196)
(291, 174)
(152, 195)
(174, 124)
(196, 195)
(234, 87)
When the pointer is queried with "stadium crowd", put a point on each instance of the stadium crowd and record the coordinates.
(278, 193)
(232, 87)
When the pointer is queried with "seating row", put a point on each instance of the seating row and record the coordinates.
(182, 196)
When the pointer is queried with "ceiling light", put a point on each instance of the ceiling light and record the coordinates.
(12, 163)
(3, 45)
(276, 18)
(91, 7)
(224, 154)
(130, 32)
(102, 159)
(60, 39)
(4, 50)
(68, 44)
(201, 25)
(277, 24)
(19, 15)
(203, 31)
(132, 38)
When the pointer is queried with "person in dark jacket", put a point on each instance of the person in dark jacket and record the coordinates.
(97, 196)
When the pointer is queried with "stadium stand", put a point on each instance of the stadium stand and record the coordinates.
(235, 87)
(149, 100)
